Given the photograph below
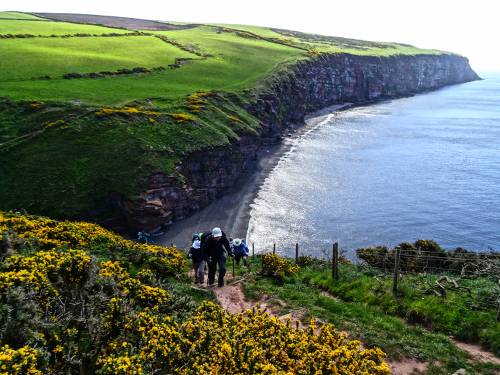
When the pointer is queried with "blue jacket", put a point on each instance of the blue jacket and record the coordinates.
(240, 250)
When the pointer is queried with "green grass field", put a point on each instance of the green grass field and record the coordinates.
(25, 59)
(10, 26)
(237, 63)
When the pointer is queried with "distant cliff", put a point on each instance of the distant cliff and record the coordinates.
(286, 97)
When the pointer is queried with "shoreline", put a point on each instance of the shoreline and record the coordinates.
(231, 212)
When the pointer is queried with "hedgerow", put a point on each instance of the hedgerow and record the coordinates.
(424, 256)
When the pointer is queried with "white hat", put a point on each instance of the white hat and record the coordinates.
(196, 244)
(237, 242)
(216, 232)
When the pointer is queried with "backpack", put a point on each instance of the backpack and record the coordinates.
(203, 237)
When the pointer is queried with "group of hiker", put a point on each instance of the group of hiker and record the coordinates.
(211, 249)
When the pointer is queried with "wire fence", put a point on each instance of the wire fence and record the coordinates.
(434, 273)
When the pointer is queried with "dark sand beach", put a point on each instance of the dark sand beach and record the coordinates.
(232, 211)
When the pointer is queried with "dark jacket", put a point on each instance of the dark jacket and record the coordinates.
(195, 254)
(213, 248)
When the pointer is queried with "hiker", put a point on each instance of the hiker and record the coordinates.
(196, 257)
(143, 237)
(215, 249)
(240, 251)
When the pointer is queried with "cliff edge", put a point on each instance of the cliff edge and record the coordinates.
(282, 101)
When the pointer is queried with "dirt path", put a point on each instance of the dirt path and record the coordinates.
(407, 366)
(232, 299)
(477, 353)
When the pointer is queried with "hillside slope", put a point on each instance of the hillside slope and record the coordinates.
(136, 128)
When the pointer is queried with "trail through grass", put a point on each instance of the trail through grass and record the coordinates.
(367, 322)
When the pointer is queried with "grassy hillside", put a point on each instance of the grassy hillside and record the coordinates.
(176, 91)
(361, 303)
(235, 58)
(77, 299)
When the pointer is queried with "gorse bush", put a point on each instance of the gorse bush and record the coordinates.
(65, 310)
(198, 100)
(26, 233)
(276, 266)
(21, 361)
(127, 111)
(181, 117)
(212, 341)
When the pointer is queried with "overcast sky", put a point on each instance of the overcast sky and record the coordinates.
(466, 27)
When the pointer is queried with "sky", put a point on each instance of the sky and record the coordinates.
(470, 28)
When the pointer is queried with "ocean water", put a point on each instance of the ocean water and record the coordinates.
(421, 167)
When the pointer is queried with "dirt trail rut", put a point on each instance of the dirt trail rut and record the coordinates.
(232, 299)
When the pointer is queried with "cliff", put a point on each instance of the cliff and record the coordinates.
(282, 100)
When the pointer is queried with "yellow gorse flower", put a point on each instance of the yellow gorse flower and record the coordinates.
(20, 361)
(274, 265)
(141, 333)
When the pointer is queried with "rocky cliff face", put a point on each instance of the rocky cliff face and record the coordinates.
(308, 86)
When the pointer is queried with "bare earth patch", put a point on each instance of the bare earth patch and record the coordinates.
(407, 367)
(477, 353)
(232, 299)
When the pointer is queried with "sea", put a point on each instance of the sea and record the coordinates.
(422, 167)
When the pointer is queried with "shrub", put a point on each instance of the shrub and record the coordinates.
(62, 311)
(233, 118)
(127, 111)
(54, 124)
(276, 266)
(198, 100)
(36, 105)
(255, 342)
(313, 52)
(21, 361)
(72, 75)
(41, 233)
(181, 117)
(423, 256)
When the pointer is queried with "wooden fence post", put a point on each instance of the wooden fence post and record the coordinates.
(335, 261)
(296, 252)
(274, 248)
(396, 271)
(233, 265)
